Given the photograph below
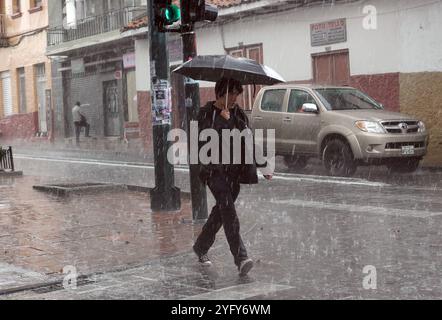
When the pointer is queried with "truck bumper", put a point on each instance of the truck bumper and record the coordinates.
(369, 146)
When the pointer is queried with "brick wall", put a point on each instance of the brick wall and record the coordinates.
(19, 126)
(384, 88)
(207, 94)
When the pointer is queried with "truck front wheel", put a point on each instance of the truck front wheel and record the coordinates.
(295, 162)
(338, 158)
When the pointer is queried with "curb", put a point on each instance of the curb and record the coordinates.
(11, 173)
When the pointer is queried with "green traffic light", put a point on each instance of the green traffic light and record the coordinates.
(172, 13)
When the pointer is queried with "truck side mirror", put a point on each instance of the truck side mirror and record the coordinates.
(310, 108)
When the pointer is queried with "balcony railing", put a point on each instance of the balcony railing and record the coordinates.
(3, 39)
(110, 21)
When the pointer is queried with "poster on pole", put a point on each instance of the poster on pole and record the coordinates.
(161, 103)
(48, 101)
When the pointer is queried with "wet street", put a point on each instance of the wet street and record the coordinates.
(374, 236)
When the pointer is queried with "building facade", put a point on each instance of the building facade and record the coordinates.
(25, 84)
(389, 49)
(99, 55)
(94, 64)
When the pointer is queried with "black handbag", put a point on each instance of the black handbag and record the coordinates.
(248, 174)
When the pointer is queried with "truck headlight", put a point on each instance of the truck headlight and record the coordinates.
(421, 127)
(369, 126)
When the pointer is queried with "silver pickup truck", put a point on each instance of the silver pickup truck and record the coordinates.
(340, 125)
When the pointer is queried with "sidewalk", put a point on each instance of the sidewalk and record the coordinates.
(310, 238)
(93, 232)
(119, 248)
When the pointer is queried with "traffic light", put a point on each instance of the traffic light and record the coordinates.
(197, 10)
(166, 13)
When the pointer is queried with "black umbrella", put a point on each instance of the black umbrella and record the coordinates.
(215, 67)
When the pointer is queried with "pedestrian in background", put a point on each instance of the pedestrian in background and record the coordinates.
(224, 180)
(79, 122)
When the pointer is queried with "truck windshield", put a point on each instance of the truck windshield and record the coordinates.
(346, 99)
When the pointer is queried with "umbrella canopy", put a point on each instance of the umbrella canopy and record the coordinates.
(215, 67)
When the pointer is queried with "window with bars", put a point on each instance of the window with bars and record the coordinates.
(16, 6)
(21, 85)
(6, 91)
(253, 52)
(35, 3)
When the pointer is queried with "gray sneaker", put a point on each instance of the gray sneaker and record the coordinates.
(202, 258)
(245, 266)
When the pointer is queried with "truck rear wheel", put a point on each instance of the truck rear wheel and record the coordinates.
(338, 158)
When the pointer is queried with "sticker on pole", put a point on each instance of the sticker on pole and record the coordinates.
(161, 103)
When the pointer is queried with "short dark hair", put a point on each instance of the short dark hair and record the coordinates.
(223, 84)
(78, 103)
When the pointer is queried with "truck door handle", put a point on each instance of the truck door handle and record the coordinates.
(287, 119)
(257, 118)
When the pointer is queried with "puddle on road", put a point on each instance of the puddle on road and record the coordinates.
(92, 232)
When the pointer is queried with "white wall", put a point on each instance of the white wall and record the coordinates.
(408, 38)
(142, 65)
(286, 37)
(421, 36)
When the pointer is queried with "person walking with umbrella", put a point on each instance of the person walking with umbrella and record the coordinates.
(229, 73)
(224, 180)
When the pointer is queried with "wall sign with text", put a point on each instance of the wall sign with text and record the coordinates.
(329, 32)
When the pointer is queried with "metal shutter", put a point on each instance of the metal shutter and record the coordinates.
(7, 99)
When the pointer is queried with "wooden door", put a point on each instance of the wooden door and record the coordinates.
(111, 108)
(250, 92)
(331, 68)
(253, 52)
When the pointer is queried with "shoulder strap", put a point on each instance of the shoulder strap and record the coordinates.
(242, 114)
(213, 118)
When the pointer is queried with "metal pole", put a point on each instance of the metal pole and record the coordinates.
(165, 196)
(12, 159)
(198, 189)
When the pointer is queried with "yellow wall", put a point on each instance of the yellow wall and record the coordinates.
(1, 100)
(421, 96)
(28, 21)
(29, 52)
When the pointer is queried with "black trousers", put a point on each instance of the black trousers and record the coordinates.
(225, 188)
(78, 125)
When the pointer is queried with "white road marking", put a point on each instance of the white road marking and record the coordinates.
(278, 176)
(356, 208)
(331, 180)
(239, 292)
(89, 161)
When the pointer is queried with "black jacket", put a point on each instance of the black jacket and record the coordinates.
(247, 172)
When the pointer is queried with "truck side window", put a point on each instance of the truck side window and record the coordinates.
(273, 100)
(297, 99)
